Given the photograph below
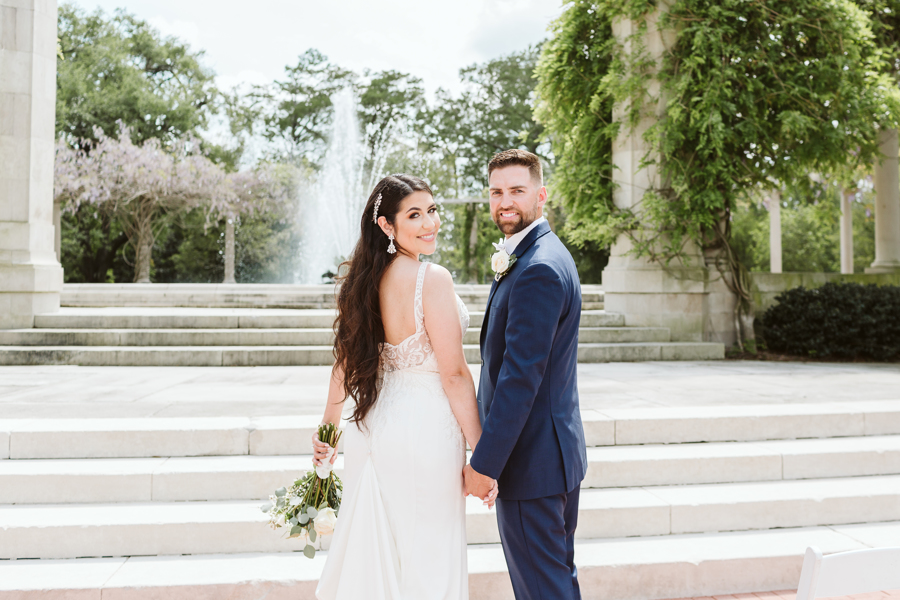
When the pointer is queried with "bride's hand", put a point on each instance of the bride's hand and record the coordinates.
(320, 451)
(491, 498)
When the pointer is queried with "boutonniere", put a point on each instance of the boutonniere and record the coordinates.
(501, 261)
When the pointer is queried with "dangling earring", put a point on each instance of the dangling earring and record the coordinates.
(391, 248)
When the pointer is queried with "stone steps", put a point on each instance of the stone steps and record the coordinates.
(677, 502)
(243, 356)
(250, 477)
(647, 431)
(242, 336)
(262, 336)
(244, 295)
(634, 568)
(208, 527)
(117, 317)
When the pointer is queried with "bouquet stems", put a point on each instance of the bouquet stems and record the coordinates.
(311, 505)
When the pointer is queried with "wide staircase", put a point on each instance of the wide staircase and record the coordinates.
(246, 325)
(678, 502)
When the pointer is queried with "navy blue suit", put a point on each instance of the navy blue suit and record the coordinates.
(533, 439)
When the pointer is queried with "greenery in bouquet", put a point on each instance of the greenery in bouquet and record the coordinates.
(311, 504)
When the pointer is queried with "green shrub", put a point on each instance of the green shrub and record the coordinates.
(842, 320)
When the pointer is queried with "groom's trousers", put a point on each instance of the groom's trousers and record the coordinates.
(539, 544)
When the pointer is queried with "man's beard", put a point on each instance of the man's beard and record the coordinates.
(514, 228)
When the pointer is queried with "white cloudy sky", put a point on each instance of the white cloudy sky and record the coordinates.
(432, 39)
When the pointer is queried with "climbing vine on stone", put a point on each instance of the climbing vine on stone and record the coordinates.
(752, 95)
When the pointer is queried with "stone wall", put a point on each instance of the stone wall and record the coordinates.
(768, 285)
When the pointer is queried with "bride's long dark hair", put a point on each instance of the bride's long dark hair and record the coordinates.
(358, 329)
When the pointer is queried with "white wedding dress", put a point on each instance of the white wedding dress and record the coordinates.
(401, 530)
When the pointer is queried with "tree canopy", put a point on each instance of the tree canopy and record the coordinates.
(118, 68)
(753, 93)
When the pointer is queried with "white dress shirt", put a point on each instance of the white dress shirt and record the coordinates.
(515, 239)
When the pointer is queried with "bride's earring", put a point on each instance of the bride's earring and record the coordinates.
(391, 248)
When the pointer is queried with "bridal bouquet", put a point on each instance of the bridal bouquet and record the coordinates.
(310, 505)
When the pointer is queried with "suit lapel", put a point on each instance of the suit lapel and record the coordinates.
(521, 249)
(533, 235)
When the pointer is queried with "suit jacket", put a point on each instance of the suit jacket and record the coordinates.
(533, 439)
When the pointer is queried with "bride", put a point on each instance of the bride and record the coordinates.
(401, 532)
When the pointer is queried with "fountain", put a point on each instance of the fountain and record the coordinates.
(330, 219)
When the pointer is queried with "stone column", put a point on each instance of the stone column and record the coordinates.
(775, 232)
(887, 205)
(30, 275)
(229, 251)
(847, 232)
(676, 296)
(57, 230)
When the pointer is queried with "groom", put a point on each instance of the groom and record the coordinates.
(532, 440)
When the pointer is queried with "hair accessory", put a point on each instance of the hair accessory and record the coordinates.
(375, 211)
(391, 248)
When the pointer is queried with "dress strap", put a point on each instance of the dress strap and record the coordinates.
(418, 303)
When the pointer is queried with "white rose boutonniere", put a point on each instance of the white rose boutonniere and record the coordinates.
(501, 261)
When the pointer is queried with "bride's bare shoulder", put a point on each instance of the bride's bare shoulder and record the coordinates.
(438, 283)
(436, 275)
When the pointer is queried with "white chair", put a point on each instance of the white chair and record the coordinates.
(846, 573)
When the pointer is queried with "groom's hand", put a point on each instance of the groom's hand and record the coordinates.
(477, 485)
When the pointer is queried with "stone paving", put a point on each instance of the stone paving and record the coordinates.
(72, 391)
(792, 595)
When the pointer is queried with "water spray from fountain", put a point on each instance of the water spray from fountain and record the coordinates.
(330, 218)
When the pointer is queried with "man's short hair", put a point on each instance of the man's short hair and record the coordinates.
(524, 158)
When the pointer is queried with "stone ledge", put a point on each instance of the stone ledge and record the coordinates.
(765, 286)
(154, 528)
(650, 568)
(649, 431)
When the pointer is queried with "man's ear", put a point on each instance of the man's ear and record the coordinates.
(542, 197)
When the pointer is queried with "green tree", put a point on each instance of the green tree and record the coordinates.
(140, 186)
(265, 250)
(500, 96)
(755, 93)
(93, 247)
(294, 113)
(389, 101)
(810, 231)
(118, 68)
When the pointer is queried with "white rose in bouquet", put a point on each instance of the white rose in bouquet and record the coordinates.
(325, 521)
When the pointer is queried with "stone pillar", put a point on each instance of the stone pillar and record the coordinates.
(229, 251)
(57, 230)
(887, 205)
(676, 296)
(30, 275)
(775, 232)
(847, 232)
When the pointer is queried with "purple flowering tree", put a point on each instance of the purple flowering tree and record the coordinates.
(265, 189)
(137, 185)
(140, 185)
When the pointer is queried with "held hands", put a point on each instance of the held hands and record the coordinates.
(321, 451)
(480, 486)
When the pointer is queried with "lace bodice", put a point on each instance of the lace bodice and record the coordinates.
(416, 350)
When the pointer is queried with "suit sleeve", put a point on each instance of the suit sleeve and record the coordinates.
(536, 303)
